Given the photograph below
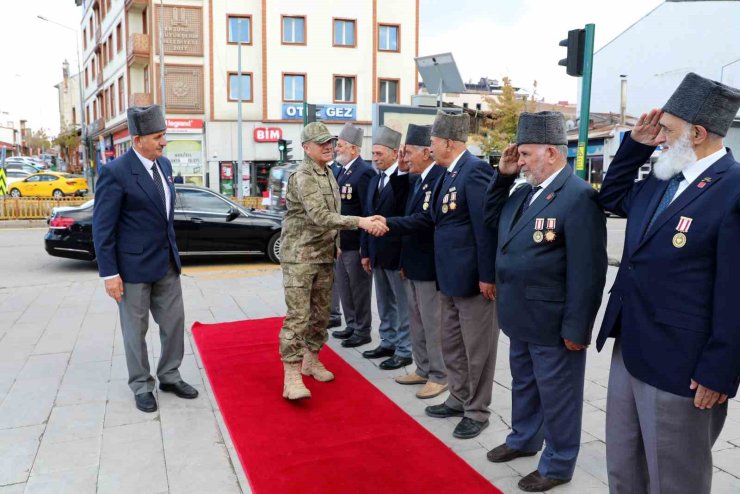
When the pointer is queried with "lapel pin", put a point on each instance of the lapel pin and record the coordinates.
(550, 196)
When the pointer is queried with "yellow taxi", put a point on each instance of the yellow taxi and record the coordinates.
(49, 184)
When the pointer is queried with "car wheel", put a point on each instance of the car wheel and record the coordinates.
(57, 194)
(15, 193)
(273, 248)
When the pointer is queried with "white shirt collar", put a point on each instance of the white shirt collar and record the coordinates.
(346, 167)
(389, 171)
(426, 171)
(452, 166)
(551, 179)
(693, 171)
(145, 161)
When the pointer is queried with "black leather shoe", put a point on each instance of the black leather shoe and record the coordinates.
(395, 362)
(334, 322)
(356, 340)
(146, 402)
(503, 453)
(343, 334)
(469, 428)
(442, 411)
(181, 389)
(536, 482)
(379, 352)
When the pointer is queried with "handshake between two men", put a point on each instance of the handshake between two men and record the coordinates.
(374, 225)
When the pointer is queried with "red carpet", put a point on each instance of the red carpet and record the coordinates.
(349, 438)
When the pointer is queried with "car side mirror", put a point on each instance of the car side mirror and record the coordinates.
(233, 214)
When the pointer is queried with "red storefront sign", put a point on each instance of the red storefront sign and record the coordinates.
(267, 134)
(184, 125)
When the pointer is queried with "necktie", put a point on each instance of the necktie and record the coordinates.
(382, 182)
(158, 184)
(341, 172)
(417, 187)
(527, 201)
(670, 191)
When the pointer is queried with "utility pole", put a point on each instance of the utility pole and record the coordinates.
(162, 84)
(238, 168)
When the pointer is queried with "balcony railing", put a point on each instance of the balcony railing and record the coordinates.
(140, 99)
(138, 49)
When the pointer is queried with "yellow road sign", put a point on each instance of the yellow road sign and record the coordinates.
(3, 183)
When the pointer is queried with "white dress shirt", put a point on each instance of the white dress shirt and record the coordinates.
(692, 172)
(452, 166)
(148, 165)
(547, 182)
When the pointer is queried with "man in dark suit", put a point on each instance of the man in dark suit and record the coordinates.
(673, 306)
(550, 274)
(353, 283)
(335, 316)
(465, 256)
(387, 194)
(134, 236)
(417, 268)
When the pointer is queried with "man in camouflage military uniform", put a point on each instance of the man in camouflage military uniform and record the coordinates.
(308, 249)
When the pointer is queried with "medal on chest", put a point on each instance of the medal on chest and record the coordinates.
(427, 196)
(539, 225)
(679, 239)
(550, 234)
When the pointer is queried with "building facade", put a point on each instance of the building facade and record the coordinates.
(68, 91)
(341, 56)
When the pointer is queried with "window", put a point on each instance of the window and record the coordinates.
(87, 76)
(120, 94)
(388, 91)
(119, 38)
(294, 30)
(92, 69)
(243, 86)
(95, 110)
(240, 28)
(110, 48)
(112, 95)
(294, 87)
(388, 37)
(87, 114)
(144, 21)
(84, 38)
(344, 33)
(147, 89)
(103, 54)
(201, 201)
(74, 117)
(90, 31)
(344, 89)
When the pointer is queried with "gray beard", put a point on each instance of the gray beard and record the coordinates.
(342, 160)
(675, 159)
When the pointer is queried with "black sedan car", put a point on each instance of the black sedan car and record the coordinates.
(206, 223)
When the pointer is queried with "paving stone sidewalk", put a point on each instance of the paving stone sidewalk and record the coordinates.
(68, 422)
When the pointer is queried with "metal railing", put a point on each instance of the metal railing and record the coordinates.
(34, 208)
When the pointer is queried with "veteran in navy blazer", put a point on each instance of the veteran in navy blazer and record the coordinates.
(354, 283)
(465, 256)
(550, 274)
(386, 196)
(673, 306)
(134, 237)
(417, 265)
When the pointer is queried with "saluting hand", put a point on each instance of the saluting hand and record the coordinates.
(114, 288)
(509, 164)
(705, 397)
(647, 128)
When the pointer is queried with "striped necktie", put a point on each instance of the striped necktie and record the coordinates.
(158, 184)
(665, 201)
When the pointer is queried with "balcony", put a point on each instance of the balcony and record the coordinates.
(138, 49)
(136, 4)
(139, 99)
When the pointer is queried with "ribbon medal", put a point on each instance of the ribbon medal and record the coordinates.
(445, 200)
(539, 225)
(679, 239)
(453, 198)
(550, 235)
(343, 193)
(427, 196)
(349, 192)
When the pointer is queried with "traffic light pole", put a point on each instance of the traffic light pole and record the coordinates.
(588, 58)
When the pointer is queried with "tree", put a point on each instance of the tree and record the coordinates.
(39, 140)
(500, 129)
(69, 145)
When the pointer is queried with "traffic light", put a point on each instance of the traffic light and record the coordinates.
(310, 114)
(575, 43)
(285, 150)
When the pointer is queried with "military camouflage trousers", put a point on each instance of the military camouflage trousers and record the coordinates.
(308, 298)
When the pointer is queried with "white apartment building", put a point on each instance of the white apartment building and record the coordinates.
(343, 56)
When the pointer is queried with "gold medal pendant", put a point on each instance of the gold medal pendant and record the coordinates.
(550, 235)
(679, 240)
(453, 206)
(538, 236)
(349, 196)
(425, 206)
(445, 208)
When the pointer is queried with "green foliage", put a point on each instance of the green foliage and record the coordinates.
(500, 130)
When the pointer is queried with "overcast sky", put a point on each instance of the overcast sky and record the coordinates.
(488, 38)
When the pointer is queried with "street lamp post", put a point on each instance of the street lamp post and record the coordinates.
(83, 129)
(238, 171)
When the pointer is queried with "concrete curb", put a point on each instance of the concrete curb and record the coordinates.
(6, 224)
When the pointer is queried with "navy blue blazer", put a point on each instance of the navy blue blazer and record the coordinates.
(353, 186)
(417, 250)
(464, 248)
(551, 262)
(675, 303)
(385, 252)
(133, 235)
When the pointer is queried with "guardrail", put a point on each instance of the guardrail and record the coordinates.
(34, 208)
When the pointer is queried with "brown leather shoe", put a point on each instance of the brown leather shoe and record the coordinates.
(430, 390)
(536, 482)
(412, 378)
(503, 453)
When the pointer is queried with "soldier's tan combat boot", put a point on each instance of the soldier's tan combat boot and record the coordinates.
(312, 366)
(293, 387)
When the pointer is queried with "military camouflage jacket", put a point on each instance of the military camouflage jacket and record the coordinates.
(312, 219)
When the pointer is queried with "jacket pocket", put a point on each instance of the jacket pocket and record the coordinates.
(545, 293)
(676, 319)
(131, 248)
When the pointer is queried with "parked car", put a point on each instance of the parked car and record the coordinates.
(13, 175)
(50, 184)
(206, 224)
(22, 163)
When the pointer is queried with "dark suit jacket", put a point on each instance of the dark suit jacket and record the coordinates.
(132, 233)
(549, 290)
(676, 308)
(353, 186)
(464, 249)
(417, 250)
(385, 252)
